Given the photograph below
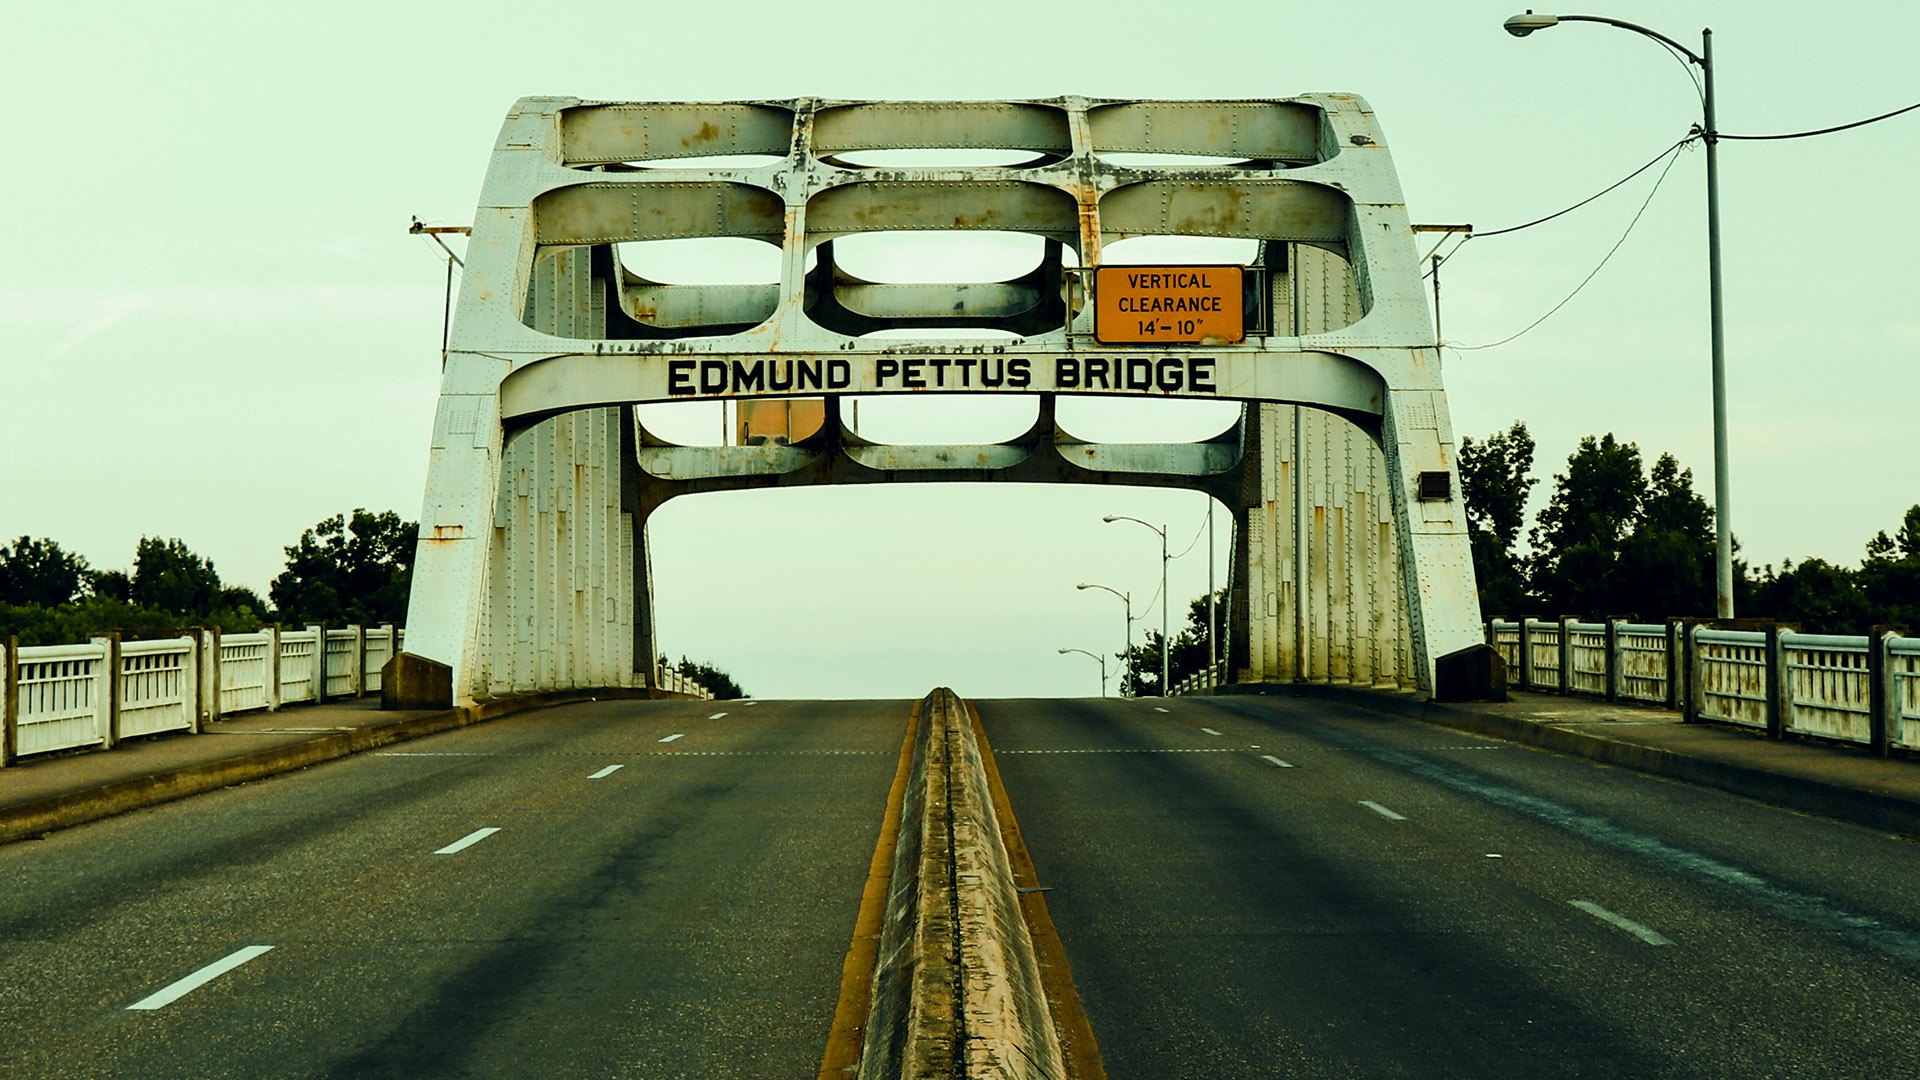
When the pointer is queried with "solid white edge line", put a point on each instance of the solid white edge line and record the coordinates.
(169, 994)
(606, 772)
(468, 840)
(1382, 811)
(716, 716)
(1209, 731)
(1276, 761)
(1620, 921)
(675, 735)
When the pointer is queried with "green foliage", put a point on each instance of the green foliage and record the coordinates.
(1596, 503)
(353, 570)
(1495, 478)
(39, 572)
(1140, 664)
(1884, 591)
(168, 577)
(718, 683)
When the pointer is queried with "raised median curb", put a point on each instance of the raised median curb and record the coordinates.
(956, 989)
(46, 815)
(1887, 811)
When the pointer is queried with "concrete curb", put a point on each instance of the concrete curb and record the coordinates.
(1884, 811)
(956, 983)
(77, 808)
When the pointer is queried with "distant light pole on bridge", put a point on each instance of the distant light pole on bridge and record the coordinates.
(1126, 637)
(1166, 689)
(1521, 26)
(1103, 666)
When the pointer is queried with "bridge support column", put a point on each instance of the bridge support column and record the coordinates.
(1442, 604)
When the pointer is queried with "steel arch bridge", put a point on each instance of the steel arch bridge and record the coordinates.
(1351, 555)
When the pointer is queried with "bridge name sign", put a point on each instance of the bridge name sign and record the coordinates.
(691, 377)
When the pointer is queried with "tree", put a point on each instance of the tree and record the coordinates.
(169, 577)
(1666, 564)
(1495, 479)
(39, 572)
(1140, 664)
(353, 569)
(1596, 504)
(1890, 576)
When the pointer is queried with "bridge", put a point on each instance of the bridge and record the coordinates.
(1351, 561)
(546, 856)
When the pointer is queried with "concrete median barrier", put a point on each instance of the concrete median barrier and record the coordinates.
(956, 984)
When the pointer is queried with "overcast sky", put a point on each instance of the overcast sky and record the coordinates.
(215, 326)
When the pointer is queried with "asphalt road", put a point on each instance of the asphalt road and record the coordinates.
(683, 915)
(1397, 900)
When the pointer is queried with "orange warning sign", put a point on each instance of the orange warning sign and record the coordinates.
(1168, 305)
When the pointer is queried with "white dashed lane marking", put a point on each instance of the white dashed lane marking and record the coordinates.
(173, 992)
(1620, 921)
(468, 840)
(1382, 811)
(606, 772)
(1277, 762)
(675, 735)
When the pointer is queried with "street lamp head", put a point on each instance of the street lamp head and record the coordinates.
(1522, 25)
(1065, 651)
(1109, 519)
(1083, 585)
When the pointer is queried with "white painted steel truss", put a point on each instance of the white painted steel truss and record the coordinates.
(532, 554)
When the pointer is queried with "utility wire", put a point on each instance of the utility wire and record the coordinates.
(1673, 150)
(1195, 540)
(1603, 191)
(1827, 130)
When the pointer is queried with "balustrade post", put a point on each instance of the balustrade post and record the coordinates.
(319, 677)
(1566, 654)
(215, 680)
(1613, 660)
(1883, 702)
(359, 660)
(10, 703)
(190, 681)
(1778, 703)
(106, 692)
(1695, 678)
(273, 668)
(1676, 662)
(393, 647)
(1526, 653)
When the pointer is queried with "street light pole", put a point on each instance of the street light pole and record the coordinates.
(1103, 666)
(1165, 689)
(1126, 630)
(1521, 26)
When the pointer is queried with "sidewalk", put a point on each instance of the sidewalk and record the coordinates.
(1830, 779)
(39, 795)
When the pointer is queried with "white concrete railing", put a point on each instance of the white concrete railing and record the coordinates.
(1202, 681)
(1856, 689)
(672, 681)
(66, 697)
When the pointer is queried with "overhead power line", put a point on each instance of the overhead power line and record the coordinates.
(1827, 130)
(1674, 151)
